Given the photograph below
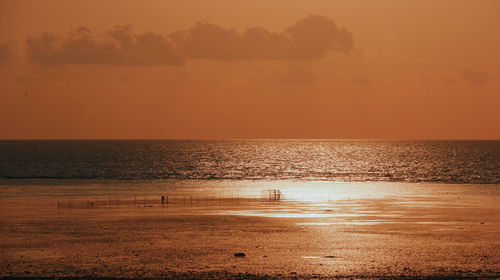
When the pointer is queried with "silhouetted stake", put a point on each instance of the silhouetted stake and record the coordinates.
(162, 200)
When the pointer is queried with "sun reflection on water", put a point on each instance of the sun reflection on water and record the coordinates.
(328, 203)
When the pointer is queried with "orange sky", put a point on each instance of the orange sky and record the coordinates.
(224, 69)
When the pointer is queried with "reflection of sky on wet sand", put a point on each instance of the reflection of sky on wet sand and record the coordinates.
(329, 204)
(320, 203)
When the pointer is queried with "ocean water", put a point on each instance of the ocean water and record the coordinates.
(458, 162)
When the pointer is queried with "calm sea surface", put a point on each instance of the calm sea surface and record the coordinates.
(461, 162)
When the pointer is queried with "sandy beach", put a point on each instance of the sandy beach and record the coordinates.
(364, 236)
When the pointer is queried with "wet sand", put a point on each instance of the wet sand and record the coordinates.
(450, 235)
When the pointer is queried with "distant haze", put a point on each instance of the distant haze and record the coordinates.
(184, 69)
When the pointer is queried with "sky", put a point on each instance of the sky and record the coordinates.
(231, 69)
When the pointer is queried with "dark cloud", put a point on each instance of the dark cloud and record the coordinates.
(476, 77)
(309, 38)
(6, 55)
(120, 46)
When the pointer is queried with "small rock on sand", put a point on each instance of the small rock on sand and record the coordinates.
(239, 255)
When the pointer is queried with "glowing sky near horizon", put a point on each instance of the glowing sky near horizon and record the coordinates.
(249, 69)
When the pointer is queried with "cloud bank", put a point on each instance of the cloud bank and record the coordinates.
(309, 38)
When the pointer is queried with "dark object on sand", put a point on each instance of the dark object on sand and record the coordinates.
(240, 255)
(330, 257)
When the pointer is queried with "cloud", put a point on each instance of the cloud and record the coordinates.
(6, 55)
(361, 80)
(309, 38)
(22, 79)
(449, 80)
(297, 73)
(119, 46)
(476, 77)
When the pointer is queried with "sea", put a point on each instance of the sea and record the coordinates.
(310, 178)
(457, 162)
